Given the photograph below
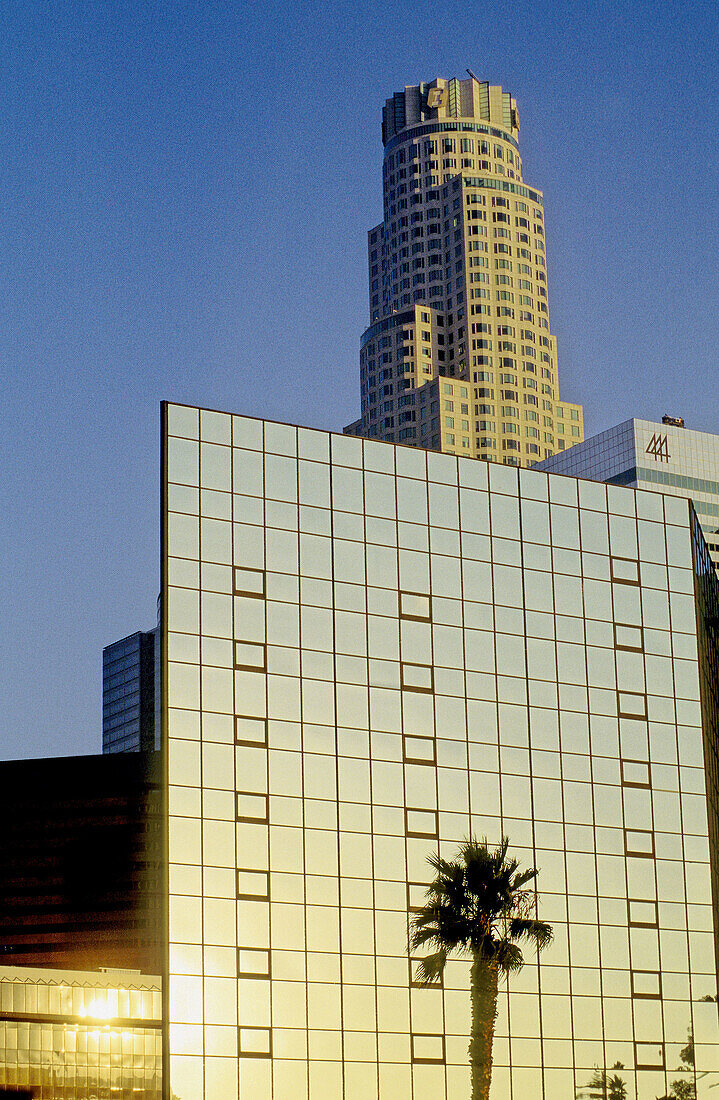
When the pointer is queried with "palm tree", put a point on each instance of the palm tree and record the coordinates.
(478, 906)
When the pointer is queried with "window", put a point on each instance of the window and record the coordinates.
(628, 637)
(255, 1042)
(631, 704)
(421, 823)
(428, 1049)
(649, 1055)
(436, 983)
(416, 895)
(646, 984)
(639, 842)
(250, 731)
(252, 807)
(253, 962)
(635, 773)
(642, 914)
(414, 677)
(625, 571)
(250, 582)
(414, 605)
(250, 656)
(418, 750)
(253, 885)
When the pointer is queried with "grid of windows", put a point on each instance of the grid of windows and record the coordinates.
(643, 454)
(128, 694)
(74, 1034)
(447, 646)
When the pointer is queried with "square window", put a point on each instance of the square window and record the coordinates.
(416, 895)
(437, 983)
(414, 605)
(635, 773)
(253, 885)
(421, 823)
(639, 842)
(642, 914)
(417, 677)
(646, 984)
(252, 806)
(428, 1049)
(252, 962)
(250, 731)
(628, 637)
(625, 570)
(418, 750)
(250, 656)
(631, 704)
(255, 1042)
(250, 582)
(649, 1055)
(183, 421)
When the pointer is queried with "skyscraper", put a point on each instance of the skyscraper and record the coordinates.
(130, 693)
(458, 355)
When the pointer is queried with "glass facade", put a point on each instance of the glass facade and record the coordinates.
(72, 1035)
(129, 690)
(80, 862)
(370, 651)
(645, 455)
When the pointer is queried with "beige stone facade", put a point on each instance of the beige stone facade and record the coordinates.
(459, 356)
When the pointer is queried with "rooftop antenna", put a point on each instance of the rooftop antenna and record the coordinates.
(473, 76)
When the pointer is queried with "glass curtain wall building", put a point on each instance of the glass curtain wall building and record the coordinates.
(372, 651)
(646, 455)
(130, 717)
(73, 1035)
(80, 862)
(458, 355)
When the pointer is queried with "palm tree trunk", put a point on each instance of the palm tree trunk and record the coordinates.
(483, 992)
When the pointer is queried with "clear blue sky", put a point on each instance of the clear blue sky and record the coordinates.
(185, 194)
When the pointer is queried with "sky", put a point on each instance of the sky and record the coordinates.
(186, 189)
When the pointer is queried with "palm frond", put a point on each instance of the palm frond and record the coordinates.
(524, 877)
(431, 968)
(536, 930)
(509, 957)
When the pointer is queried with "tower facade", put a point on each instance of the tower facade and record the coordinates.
(458, 355)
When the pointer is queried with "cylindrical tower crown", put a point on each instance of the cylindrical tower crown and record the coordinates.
(449, 99)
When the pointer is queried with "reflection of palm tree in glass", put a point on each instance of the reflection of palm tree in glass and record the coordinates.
(684, 1089)
(604, 1086)
(477, 906)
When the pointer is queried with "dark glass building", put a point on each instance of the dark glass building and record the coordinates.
(129, 694)
(80, 862)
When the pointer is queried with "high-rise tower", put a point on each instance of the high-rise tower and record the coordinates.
(459, 356)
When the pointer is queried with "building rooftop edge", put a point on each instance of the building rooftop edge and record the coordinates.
(536, 469)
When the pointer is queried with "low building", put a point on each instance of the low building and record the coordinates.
(80, 862)
(72, 1035)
